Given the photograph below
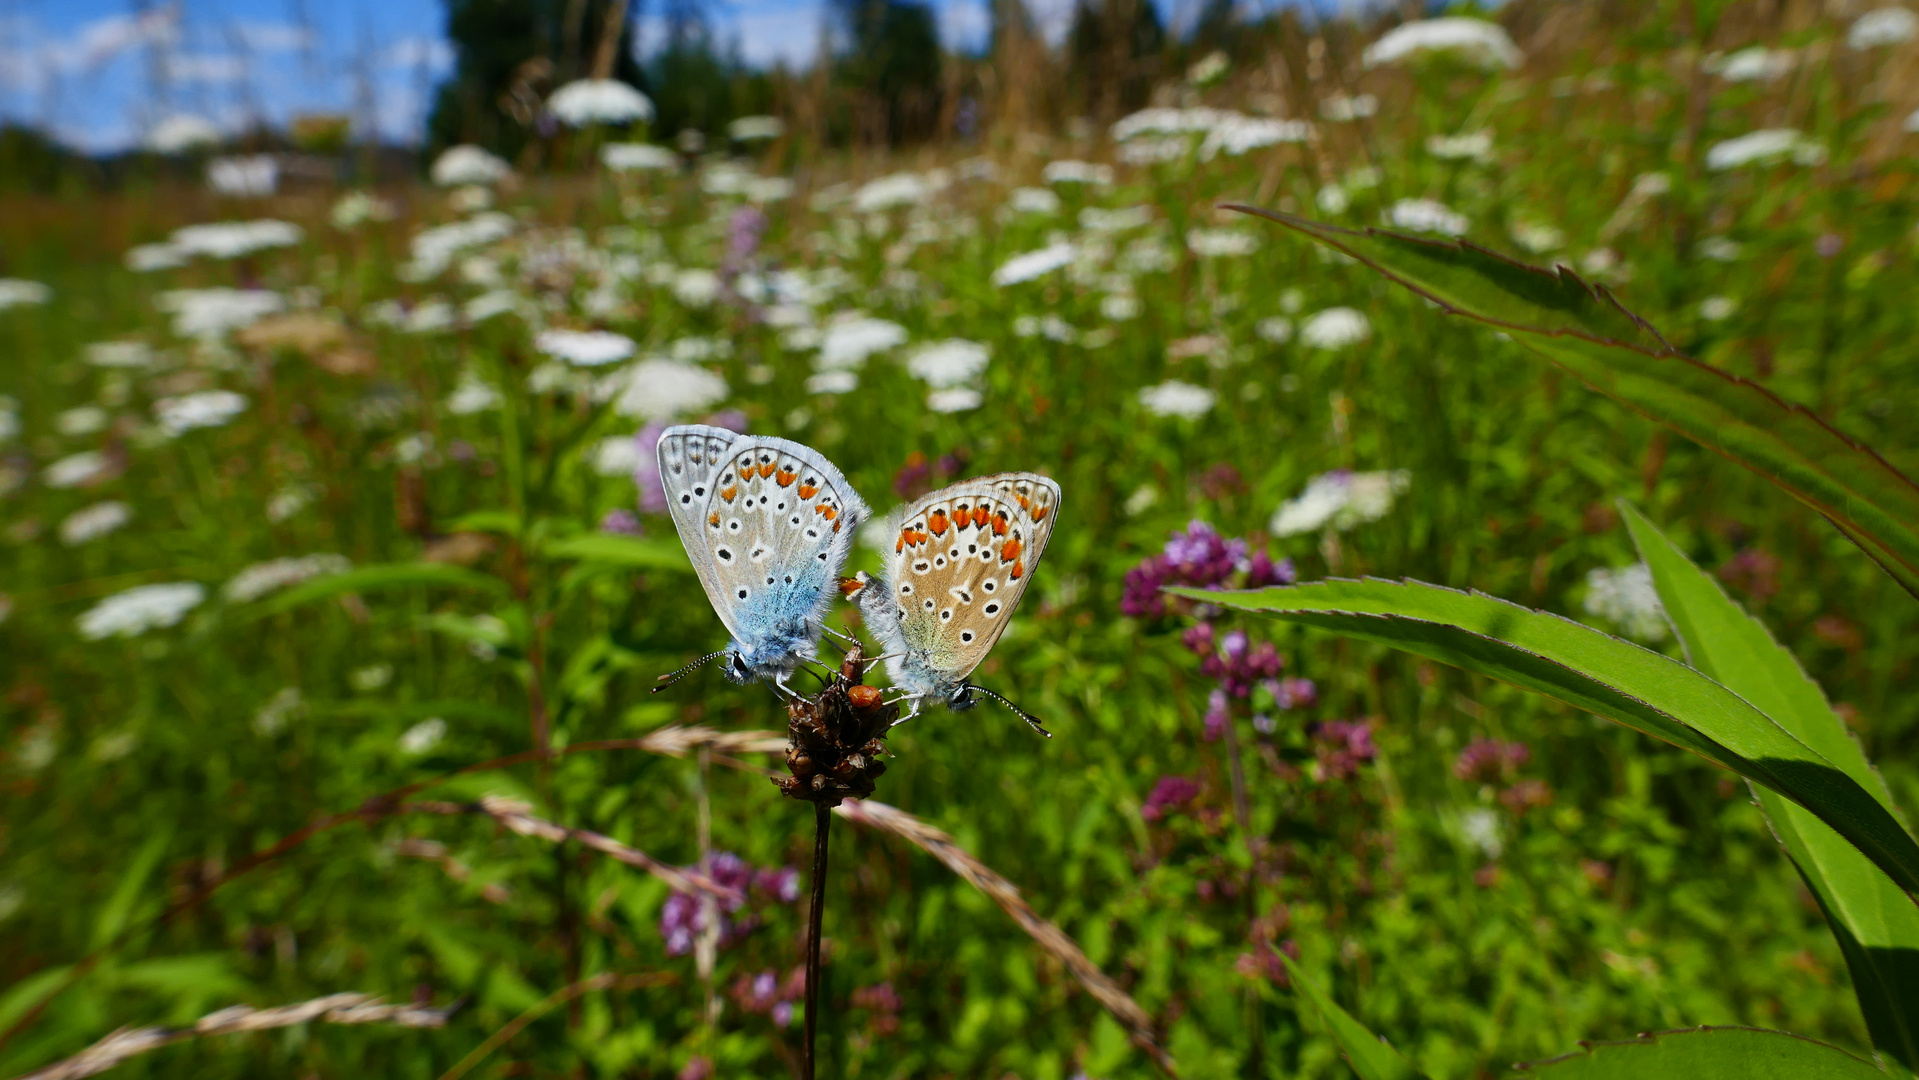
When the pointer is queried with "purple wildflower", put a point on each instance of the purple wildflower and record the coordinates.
(1140, 595)
(646, 475)
(1343, 746)
(1490, 761)
(1218, 715)
(731, 419)
(1169, 795)
(622, 522)
(1292, 693)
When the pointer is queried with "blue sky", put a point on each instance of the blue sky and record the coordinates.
(99, 73)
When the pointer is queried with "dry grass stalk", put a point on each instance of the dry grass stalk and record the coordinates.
(676, 741)
(333, 1009)
(1004, 893)
(518, 816)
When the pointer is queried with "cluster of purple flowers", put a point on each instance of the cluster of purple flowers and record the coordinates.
(919, 475)
(1490, 761)
(683, 916)
(1342, 746)
(884, 1003)
(1202, 559)
(1170, 795)
(1239, 665)
(767, 993)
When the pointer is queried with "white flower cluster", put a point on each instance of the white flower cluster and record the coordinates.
(951, 368)
(1626, 596)
(1178, 399)
(15, 292)
(182, 132)
(1426, 215)
(137, 610)
(1340, 500)
(466, 164)
(77, 470)
(1473, 40)
(1884, 26)
(208, 408)
(209, 314)
(599, 101)
(244, 177)
(662, 389)
(638, 157)
(585, 348)
(1765, 145)
(260, 579)
(433, 249)
(219, 240)
(1033, 264)
(93, 522)
(1335, 328)
(356, 208)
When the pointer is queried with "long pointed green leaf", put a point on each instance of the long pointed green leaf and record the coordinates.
(1876, 923)
(1372, 1057)
(1707, 1053)
(633, 551)
(1584, 330)
(1601, 674)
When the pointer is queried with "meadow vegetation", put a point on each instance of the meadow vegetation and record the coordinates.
(301, 521)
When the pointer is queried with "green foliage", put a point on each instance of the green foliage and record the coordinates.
(1708, 1054)
(1587, 333)
(1602, 674)
(1372, 1057)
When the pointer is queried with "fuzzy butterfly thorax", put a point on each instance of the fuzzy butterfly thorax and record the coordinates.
(768, 524)
(960, 562)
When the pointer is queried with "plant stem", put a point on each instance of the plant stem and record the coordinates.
(822, 820)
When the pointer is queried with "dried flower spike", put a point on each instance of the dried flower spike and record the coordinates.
(836, 738)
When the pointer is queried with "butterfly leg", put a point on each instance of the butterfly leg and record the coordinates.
(915, 711)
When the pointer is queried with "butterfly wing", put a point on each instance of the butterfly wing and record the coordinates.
(777, 525)
(960, 564)
(691, 458)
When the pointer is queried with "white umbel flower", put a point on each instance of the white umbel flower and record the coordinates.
(756, 128)
(1626, 596)
(260, 579)
(1175, 398)
(15, 292)
(77, 470)
(638, 157)
(1077, 172)
(599, 101)
(1220, 243)
(208, 408)
(890, 192)
(1034, 264)
(1236, 134)
(232, 239)
(585, 348)
(135, 611)
(946, 364)
(1033, 200)
(471, 396)
(182, 132)
(1766, 144)
(423, 736)
(847, 343)
(1475, 40)
(93, 522)
(1886, 26)
(1426, 215)
(462, 165)
(1335, 328)
(244, 177)
(954, 399)
(210, 313)
(1340, 500)
(663, 389)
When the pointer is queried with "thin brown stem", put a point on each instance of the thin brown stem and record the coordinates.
(822, 825)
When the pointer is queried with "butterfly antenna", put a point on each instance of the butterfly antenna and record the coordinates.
(1031, 720)
(668, 680)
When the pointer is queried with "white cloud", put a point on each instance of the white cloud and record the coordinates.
(206, 69)
(414, 52)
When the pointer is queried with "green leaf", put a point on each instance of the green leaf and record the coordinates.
(502, 522)
(118, 910)
(1600, 674)
(1708, 1053)
(1876, 923)
(630, 551)
(1584, 330)
(1370, 1055)
(376, 578)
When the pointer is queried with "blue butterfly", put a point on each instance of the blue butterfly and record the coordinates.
(768, 524)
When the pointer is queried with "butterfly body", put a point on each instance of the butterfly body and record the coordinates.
(961, 561)
(767, 523)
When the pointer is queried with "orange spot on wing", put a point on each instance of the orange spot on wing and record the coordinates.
(1024, 505)
(836, 525)
(728, 492)
(999, 523)
(1009, 551)
(807, 490)
(713, 519)
(746, 471)
(979, 516)
(900, 544)
(768, 469)
(827, 510)
(849, 586)
(786, 478)
(938, 523)
(1039, 513)
(1019, 568)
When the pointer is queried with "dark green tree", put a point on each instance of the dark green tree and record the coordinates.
(1113, 55)
(890, 59)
